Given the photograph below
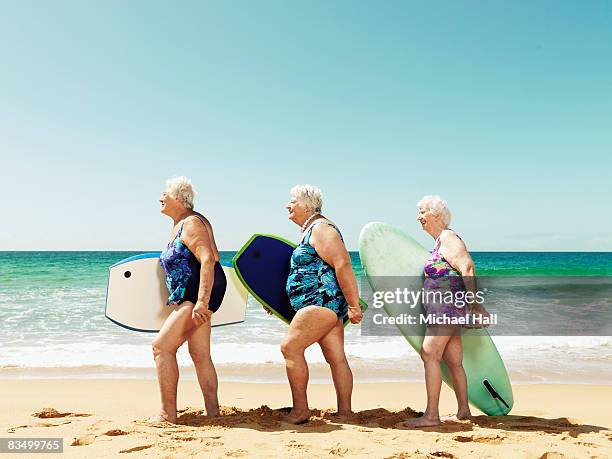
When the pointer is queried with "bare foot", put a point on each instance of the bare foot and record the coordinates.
(417, 423)
(297, 417)
(161, 418)
(460, 416)
(344, 416)
(212, 414)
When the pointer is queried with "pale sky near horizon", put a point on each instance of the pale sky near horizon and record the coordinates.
(503, 108)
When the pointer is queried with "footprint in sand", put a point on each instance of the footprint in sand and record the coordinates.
(115, 432)
(299, 446)
(179, 438)
(214, 444)
(552, 455)
(490, 440)
(408, 455)
(83, 440)
(363, 429)
(136, 448)
(90, 438)
(46, 413)
(443, 454)
(38, 424)
(586, 443)
(237, 453)
(338, 451)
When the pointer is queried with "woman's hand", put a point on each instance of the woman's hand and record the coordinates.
(355, 314)
(478, 311)
(200, 313)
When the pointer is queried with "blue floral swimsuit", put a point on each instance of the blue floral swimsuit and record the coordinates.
(182, 270)
(311, 281)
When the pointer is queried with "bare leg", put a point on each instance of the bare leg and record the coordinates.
(308, 326)
(199, 349)
(431, 354)
(453, 356)
(172, 335)
(332, 346)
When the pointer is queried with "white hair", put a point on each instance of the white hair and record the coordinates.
(181, 188)
(310, 196)
(437, 206)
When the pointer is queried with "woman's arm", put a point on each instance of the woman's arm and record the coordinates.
(453, 249)
(211, 236)
(196, 237)
(326, 241)
(455, 252)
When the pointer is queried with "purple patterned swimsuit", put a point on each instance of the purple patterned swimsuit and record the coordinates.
(440, 279)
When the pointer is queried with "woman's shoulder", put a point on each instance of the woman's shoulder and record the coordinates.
(197, 219)
(448, 237)
(325, 230)
(195, 223)
(324, 226)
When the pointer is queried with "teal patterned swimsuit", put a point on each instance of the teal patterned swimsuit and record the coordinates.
(311, 281)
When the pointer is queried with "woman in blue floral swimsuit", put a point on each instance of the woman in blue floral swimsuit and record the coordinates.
(312, 281)
(196, 283)
(323, 290)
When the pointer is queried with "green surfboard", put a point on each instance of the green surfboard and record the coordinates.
(385, 252)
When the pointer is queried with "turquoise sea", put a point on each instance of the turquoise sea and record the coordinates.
(52, 311)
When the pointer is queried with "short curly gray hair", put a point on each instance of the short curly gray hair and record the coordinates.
(309, 195)
(437, 206)
(181, 188)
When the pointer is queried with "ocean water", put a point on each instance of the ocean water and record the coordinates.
(53, 325)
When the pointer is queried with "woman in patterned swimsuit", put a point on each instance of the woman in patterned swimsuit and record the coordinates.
(323, 290)
(196, 283)
(449, 269)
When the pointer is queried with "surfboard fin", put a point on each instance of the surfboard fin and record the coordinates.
(493, 392)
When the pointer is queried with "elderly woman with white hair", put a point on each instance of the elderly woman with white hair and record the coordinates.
(196, 284)
(449, 268)
(322, 289)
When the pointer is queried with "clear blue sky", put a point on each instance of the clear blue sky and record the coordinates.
(503, 108)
